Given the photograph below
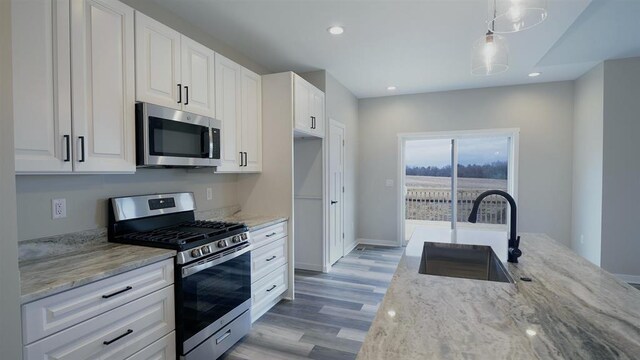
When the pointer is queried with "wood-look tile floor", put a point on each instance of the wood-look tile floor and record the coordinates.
(330, 315)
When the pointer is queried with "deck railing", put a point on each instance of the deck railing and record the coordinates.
(435, 205)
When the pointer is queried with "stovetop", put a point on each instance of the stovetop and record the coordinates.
(183, 236)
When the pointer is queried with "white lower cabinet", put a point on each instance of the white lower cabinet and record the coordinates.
(163, 349)
(131, 315)
(269, 272)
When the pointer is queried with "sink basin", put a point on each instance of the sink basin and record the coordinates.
(462, 261)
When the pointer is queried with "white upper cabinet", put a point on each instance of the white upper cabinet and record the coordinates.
(309, 108)
(198, 81)
(80, 50)
(157, 63)
(251, 128)
(103, 86)
(228, 111)
(173, 70)
(41, 86)
(239, 107)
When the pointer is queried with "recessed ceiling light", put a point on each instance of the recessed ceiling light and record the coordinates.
(534, 74)
(335, 30)
(391, 88)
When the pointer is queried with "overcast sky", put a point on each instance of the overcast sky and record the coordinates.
(470, 151)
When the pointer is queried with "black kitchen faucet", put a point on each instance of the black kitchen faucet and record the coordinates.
(514, 240)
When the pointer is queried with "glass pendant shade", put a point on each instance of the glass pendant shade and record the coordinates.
(490, 55)
(508, 16)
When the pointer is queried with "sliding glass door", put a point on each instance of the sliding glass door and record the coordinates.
(445, 172)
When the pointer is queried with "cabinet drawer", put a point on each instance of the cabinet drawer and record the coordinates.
(263, 236)
(116, 334)
(268, 258)
(268, 288)
(47, 316)
(163, 349)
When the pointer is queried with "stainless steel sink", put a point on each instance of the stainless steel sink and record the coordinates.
(463, 261)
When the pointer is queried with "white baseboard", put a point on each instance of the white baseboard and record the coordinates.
(377, 242)
(310, 267)
(350, 247)
(631, 279)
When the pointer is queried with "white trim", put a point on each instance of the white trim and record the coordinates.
(630, 279)
(351, 247)
(310, 267)
(377, 242)
(512, 133)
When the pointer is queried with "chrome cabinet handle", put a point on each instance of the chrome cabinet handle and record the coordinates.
(117, 292)
(271, 258)
(272, 287)
(129, 331)
(67, 140)
(270, 235)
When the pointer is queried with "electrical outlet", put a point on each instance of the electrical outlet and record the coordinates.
(59, 208)
(209, 193)
(581, 239)
(389, 183)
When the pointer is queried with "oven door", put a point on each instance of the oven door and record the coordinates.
(173, 138)
(210, 294)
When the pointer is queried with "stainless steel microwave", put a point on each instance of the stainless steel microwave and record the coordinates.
(167, 137)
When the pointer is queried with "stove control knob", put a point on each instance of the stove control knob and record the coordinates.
(205, 250)
(236, 239)
(196, 253)
(244, 236)
(222, 243)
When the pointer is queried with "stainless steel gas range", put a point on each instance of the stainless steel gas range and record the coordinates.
(212, 273)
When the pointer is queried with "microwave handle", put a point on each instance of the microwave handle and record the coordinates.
(210, 143)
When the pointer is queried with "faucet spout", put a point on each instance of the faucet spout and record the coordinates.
(514, 239)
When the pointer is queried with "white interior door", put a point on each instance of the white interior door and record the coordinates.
(336, 192)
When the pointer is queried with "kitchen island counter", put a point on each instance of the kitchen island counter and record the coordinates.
(571, 309)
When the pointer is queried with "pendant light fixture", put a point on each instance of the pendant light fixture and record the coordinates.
(509, 16)
(490, 55)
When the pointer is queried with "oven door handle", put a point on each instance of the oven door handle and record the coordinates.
(197, 267)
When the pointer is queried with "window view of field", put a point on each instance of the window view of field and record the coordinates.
(482, 165)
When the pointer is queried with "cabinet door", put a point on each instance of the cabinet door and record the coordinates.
(41, 85)
(228, 105)
(251, 128)
(157, 63)
(103, 86)
(198, 67)
(318, 112)
(302, 108)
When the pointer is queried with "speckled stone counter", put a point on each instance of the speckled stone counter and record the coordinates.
(47, 276)
(571, 310)
(255, 222)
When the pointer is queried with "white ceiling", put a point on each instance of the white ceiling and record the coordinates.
(418, 46)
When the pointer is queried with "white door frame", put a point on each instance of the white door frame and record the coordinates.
(512, 172)
(327, 238)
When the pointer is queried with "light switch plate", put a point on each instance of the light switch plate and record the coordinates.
(58, 208)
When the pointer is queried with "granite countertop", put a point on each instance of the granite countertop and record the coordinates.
(571, 310)
(255, 222)
(47, 276)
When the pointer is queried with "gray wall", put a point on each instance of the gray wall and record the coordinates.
(10, 330)
(620, 239)
(587, 164)
(87, 196)
(543, 112)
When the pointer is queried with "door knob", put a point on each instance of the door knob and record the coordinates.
(333, 202)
